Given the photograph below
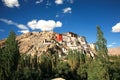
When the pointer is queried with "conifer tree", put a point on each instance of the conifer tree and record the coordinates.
(101, 43)
(11, 54)
(101, 63)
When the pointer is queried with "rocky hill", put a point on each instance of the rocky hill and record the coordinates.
(44, 42)
(114, 51)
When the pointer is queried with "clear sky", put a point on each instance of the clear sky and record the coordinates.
(78, 16)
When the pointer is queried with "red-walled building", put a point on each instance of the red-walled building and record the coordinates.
(59, 37)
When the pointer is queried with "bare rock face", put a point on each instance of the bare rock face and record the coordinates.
(33, 43)
(43, 42)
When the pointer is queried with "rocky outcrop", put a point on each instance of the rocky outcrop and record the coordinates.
(43, 42)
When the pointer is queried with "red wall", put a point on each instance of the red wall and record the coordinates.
(59, 37)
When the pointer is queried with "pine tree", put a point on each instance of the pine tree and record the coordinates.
(101, 63)
(101, 43)
(11, 55)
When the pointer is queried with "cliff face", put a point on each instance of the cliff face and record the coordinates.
(40, 42)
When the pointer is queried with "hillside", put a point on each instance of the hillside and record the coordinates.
(114, 51)
(40, 42)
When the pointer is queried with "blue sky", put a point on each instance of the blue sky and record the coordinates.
(78, 16)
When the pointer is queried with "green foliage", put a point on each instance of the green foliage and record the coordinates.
(101, 64)
(11, 51)
(97, 71)
(74, 60)
(46, 65)
(1, 65)
(101, 44)
(114, 69)
(28, 68)
(63, 70)
(9, 57)
(54, 60)
(82, 69)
